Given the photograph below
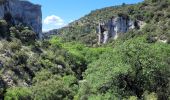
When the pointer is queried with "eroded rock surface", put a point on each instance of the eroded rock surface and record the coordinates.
(114, 27)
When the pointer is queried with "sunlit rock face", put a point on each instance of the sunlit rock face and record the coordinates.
(22, 11)
(114, 27)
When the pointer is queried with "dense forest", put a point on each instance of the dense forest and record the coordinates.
(71, 66)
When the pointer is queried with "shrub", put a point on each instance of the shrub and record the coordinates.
(15, 45)
(150, 96)
(130, 69)
(50, 89)
(3, 29)
(18, 93)
(20, 57)
(28, 36)
(43, 75)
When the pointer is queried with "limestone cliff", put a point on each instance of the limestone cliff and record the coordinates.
(114, 27)
(22, 11)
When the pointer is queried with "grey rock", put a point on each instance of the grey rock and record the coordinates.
(115, 27)
(22, 11)
(60, 66)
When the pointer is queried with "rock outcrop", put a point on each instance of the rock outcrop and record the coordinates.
(114, 27)
(22, 11)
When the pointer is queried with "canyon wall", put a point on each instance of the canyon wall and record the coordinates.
(22, 11)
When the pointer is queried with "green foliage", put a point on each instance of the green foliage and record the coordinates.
(78, 55)
(150, 96)
(43, 75)
(20, 58)
(133, 98)
(69, 80)
(71, 66)
(18, 93)
(56, 41)
(153, 12)
(24, 34)
(130, 69)
(28, 35)
(48, 87)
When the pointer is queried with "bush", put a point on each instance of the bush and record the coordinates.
(50, 89)
(150, 96)
(28, 36)
(20, 58)
(18, 93)
(3, 29)
(43, 75)
(130, 69)
(15, 45)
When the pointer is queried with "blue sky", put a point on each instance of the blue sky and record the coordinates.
(58, 13)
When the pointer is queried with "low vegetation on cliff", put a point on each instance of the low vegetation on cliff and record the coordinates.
(136, 66)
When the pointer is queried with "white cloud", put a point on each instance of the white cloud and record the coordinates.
(53, 19)
(53, 22)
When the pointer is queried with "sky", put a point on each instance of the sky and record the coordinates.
(58, 13)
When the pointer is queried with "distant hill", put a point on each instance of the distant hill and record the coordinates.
(154, 12)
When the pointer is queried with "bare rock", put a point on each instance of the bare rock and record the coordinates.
(116, 26)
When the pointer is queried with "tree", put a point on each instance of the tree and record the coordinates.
(18, 93)
(130, 69)
(28, 36)
(3, 29)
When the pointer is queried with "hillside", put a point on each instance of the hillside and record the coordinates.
(154, 13)
(72, 66)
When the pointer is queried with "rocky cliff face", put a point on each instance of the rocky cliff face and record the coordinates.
(22, 11)
(114, 27)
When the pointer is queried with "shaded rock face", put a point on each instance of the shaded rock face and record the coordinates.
(114, 27)
(21, 11)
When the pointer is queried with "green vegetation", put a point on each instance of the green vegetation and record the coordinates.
(130, 70)
(18, 93)
(136, 66)
(154, 12)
